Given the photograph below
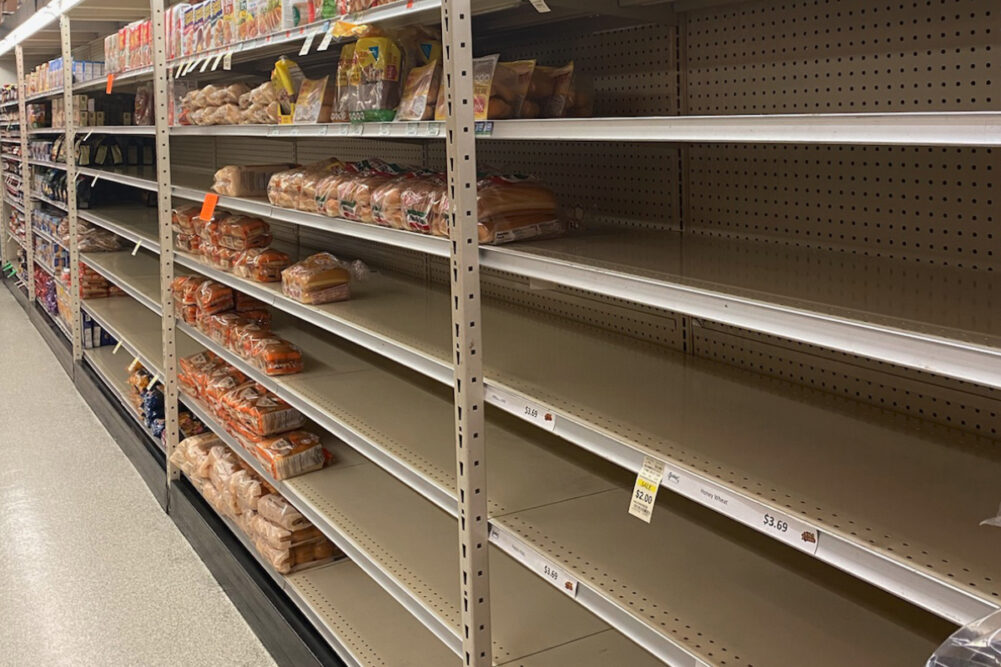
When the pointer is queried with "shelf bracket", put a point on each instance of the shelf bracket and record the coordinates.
(460, 146)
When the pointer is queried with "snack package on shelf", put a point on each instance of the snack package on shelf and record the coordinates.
(315, 99)
(508, 89)
(245, 180)
(420, 92)
(558, 92)
(318, 279)
(287, 78)
(375, 76)
(263, 265)
(483, 76)
(341, 108)
(95, 239)
(290, 454)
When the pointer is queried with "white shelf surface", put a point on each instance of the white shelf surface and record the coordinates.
(971, 128)
(137, 223)
(624, 402)
(137, 177)
(530, 471)
(46, 163)
(138, 275)
(101, 83)
(51, 202)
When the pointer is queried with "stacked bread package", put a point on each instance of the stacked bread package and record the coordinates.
(281, 534)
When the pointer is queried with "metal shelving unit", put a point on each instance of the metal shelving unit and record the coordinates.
(782, 294)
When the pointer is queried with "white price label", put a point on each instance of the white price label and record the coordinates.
(645, 490)
(94, 182)
(136, 249)
(152, 382)
(531, 412)
(779, 525)
(357, 129)
(325, 42)
(307, 44)
(544, 567)
(227, 61)
(412, 129)
(117, 347)
(540, 6)
(216, 61)
(384, 129)
(273, 132)
(341, 130)
(434, 129)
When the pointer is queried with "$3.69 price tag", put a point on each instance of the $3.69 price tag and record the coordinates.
(544, 567)
(645, 489)
(520, 407)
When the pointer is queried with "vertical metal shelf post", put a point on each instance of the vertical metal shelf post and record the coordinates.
(26, 185)
(162, 138)
(69, 144)
(471, 468)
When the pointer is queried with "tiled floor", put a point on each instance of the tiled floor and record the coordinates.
(92, 572)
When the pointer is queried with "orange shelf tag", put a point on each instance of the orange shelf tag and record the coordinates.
(208, 206)
(111, 82)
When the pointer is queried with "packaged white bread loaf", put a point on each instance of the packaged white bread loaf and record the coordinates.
(249, 180)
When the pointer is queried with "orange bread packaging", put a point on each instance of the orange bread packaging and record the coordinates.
(317, 279)
(263, 265)
(260, 412)
(290, 454)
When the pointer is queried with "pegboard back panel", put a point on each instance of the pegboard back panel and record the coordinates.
(636, 184)
(634, 70)
(193, 152)
(932, 205)
(829, 56)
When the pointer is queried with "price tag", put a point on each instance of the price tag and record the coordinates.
(208, 206)
(227, 60)
(273, 132)
(152, 381)
(411, 129)
(205, 64)
(118, 346)
(544, 567)
(341, 130)
(136, 249)
(94, 182)
(292, 132)
(531, 412)
(645, 490)
(111, 83)
(483, 128)
(778, 525)
(384, 129)
(88, 136)
(434, 128)
(218, 59)
(357, 129)
(325, 42)
(540, 6)
(307, 44)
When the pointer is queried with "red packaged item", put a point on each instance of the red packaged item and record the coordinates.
(246, 335)
(189, 243)
(194, 371)
(355, 194)
(240, 232)
(214, 297)
(260, 316)
(260, 412)
(290, 454)
(220, 382)
(219, 326)
(275, 356)
(421, 201)
(263, 265)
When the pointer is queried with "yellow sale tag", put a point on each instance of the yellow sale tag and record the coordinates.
(645, 490)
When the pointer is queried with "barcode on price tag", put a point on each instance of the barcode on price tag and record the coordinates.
(520, 407)
(645, 489)
(544, 567)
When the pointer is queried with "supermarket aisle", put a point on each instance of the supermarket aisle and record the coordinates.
(92, 572)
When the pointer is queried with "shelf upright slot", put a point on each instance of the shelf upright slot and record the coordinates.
(26, 186)
(169, 324)
(71, 204)
(471, 469)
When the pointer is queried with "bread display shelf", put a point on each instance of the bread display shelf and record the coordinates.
(136, 223)
(971, 128)
(47, 130)
(393, 15)
(45, 267)
(137, 75)
(405, 545)
(47, 164)
(18, 240)
(137, 328)
(138, 275)
(672, 417)
(116, 129)
(57, 320)
(51, 239)
(113, 370)
(44, 95)
(954, 332)
(51, 202)
(10, 140)
(13, 204)
(530, 471)
(143, 178)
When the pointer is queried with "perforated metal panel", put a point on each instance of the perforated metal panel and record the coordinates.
(843, 55)
(929, 205)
